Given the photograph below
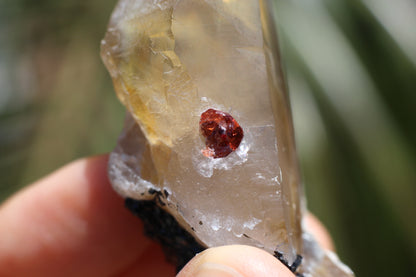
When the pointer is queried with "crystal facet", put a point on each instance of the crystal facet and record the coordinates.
(173, 60)
(222, 132)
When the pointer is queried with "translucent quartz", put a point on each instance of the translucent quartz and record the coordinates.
(171, 60)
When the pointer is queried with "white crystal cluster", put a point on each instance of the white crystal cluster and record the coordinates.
(171, 60)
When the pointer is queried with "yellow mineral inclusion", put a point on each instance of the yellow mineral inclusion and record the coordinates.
(142, 50)
(146, 40)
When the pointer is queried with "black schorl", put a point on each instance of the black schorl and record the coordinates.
(179, 246)
(293, 267)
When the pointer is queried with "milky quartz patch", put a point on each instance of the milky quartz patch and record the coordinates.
(172, 60)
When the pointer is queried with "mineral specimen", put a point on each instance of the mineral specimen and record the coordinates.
(222, 132)
(173, 60)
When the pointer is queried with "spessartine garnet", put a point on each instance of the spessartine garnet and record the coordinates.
(222, 133)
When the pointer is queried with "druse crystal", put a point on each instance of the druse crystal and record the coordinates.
(222, 132)
(171, 61)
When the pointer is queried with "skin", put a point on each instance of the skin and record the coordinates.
(71, 223)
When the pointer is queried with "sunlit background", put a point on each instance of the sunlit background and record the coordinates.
(351, 67)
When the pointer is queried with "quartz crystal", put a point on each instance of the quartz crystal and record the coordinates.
(173, 60)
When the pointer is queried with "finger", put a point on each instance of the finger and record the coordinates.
(70, 224)
(317, 229)
(234, 261)
(149, 264)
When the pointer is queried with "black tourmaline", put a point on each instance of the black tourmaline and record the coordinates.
(179, 246)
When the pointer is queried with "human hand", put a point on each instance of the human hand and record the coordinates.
(72, 223)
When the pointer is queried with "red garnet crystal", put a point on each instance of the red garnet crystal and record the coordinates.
(222, 133)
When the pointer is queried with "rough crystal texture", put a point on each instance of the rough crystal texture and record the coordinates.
(222, 133)
(171, 60)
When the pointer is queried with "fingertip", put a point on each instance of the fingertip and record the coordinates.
(318, 230)
(235, 261)
(70, 223)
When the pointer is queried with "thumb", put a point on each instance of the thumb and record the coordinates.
(234, 261)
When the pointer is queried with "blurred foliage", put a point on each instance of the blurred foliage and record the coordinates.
(351, 66)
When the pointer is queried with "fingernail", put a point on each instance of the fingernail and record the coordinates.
(216, 270)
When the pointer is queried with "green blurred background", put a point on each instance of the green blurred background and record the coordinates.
(351, 66)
